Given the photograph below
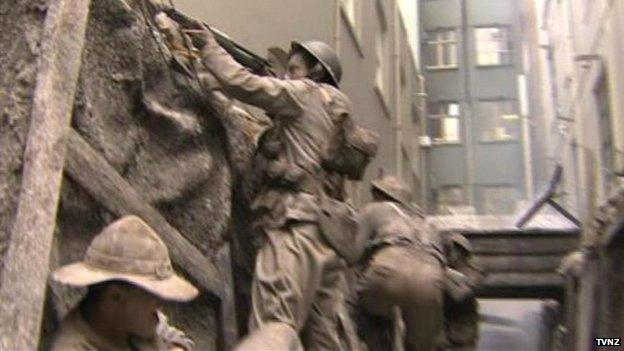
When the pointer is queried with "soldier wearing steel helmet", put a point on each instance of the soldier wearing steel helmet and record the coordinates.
(463, 278)
(400, 269)
(300, 279)
(128, 275)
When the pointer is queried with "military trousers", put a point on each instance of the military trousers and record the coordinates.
(412, 280)
(300, 281)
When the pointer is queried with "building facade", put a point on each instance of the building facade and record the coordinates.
(477, 135)
(583, 93)
(380, 76)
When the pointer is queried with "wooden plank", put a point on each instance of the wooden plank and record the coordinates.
(227, 314)
(533, 245)
(502, 224)
(25, 273)
(519, 263)
(101, 180)
(533, 280)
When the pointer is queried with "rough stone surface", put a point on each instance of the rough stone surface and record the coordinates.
(190, 169)
(20, 32)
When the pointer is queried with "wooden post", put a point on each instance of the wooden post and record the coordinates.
(25, 271)
(228, 328)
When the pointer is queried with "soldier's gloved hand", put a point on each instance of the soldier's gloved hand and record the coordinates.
(200, 37)
(173, 337)
(177, 340)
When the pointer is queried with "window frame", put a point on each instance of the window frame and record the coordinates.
(351, 11)
(480, 120)
(443, 116)
(603, 99)
(446, 187)
(495, 189)
(382, 64)
(440, 45)
(510, 51)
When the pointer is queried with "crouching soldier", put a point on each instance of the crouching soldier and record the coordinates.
(463, 278)
(400, 269)
(128, 275)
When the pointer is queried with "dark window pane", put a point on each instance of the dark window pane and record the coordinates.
(500, 200)
(498, 121)
(493, 46)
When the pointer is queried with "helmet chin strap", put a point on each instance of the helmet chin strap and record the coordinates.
(317, 72)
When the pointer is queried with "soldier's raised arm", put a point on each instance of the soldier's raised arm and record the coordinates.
(271, 94)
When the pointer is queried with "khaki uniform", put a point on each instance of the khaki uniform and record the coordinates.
(299, 279)
(75, 335)
(401, 271)
(462, 317)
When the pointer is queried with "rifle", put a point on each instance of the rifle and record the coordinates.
(242, 55)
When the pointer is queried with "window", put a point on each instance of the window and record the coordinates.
(406, 166)
(448, 197)
(444, 124)
(382, 76)
(351, 10)
(601, 94)
(498, 120)
(417, 188)
(441, 49)
(499, 199)
(493, 46)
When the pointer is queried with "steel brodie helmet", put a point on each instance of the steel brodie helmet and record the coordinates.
(325, 54)
(395, 189)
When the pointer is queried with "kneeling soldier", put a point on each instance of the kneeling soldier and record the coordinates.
(461, 307)
(128, 274)
(400, 269)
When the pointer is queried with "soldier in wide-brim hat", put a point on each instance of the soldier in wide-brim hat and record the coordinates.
(128, 274)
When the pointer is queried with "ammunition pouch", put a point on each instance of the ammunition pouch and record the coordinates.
(354, 152)
(269, 145)
(340, 228)
(457, 286)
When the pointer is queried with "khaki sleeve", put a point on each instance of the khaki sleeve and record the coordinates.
(366, 224)
(276, 96)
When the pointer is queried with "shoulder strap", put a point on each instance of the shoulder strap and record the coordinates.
(324, 95)
(401, 212)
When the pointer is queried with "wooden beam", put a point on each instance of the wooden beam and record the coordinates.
(87, 167)
(227, 313)
(519, 263)
(519, 245)
(25, 272)
(535, 280)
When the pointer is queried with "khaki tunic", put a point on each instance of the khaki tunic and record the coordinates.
(305, 115)
(401, 271)
(75, 335)
(299, 279)
(462, 318)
